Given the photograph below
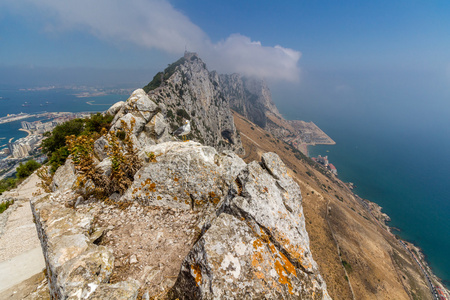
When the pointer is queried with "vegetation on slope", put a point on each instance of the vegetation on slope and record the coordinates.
(22, 172)
(55, 143)
(160, 77)
(124, 159)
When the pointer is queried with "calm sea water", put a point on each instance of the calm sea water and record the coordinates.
(396, 151)
(14, 101)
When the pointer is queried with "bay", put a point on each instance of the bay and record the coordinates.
(14, 101)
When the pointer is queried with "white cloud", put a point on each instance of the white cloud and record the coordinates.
(156, 24)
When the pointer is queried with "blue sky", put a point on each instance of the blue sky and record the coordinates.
(379, 36)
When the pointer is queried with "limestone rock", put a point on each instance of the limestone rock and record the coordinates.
(93, 266)
(64, 177)
(76, 267)
(257, 247)
(139, 123)
(105, 166)
(192, 92)
(100, 148)
(127, 290)
(140, 102)
(185, 176)
(115, 108)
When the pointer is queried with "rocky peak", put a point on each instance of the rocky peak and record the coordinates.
(188, 90)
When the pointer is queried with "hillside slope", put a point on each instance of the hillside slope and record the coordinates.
(357, 256)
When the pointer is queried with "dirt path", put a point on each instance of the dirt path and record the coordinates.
(20, 250)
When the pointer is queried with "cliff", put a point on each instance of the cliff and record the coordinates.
(135, 213)
(188, 90)
(252, 99)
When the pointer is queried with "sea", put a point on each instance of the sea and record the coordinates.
(394, 145)
(16, 100)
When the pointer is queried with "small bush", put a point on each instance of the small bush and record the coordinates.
(55, 143)
(25, 170)
(347, 266)
(7, 184)
(183, 114)
(4, 205)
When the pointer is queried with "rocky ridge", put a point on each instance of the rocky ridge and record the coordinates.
(195, 222)
(188, 90)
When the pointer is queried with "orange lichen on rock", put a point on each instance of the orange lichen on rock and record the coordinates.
(282, 275)
(288, 265)
(197, 273)
(296, 252)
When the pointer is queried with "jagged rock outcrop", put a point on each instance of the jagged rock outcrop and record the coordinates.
(76, 267)
(184, 176)
(257, 247)
(243, 235)
(143, 115)
(189, 90)
(64, 177)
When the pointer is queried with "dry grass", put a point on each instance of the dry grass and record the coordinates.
(377, 266)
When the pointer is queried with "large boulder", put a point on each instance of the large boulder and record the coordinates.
(184, 176)
(257, 247)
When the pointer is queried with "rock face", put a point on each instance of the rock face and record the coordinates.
(190, 91)
(76, 267)
(248, 96)
(184, 176)
(257, 247)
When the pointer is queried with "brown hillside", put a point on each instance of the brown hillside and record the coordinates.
(357, 256)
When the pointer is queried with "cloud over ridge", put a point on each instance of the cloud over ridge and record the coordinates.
(156, 24)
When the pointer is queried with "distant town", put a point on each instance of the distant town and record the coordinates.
(29, 147)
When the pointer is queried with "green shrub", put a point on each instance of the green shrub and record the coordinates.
(25, 170)
(55, 143)
(183, 114)
(156, 82)
(57, 138)
(58, 158)
(4, 205)
(7, 184)
(97, 122)
(347, 266)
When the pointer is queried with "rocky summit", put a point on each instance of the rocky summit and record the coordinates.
(142, 215)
